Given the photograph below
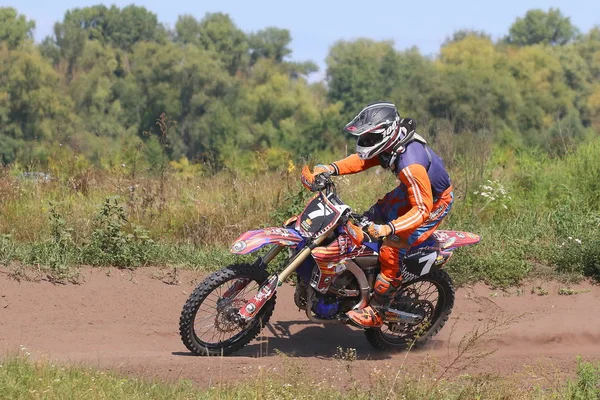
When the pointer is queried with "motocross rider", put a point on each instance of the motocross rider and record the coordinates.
(404, 217)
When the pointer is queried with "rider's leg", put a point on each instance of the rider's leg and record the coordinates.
(391, 255)
(385, 287)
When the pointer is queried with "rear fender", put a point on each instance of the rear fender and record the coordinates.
(254, 240)
(422, 261)
(449, 240)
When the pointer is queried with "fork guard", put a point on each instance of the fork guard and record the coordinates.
(252, 241)
(264, 294)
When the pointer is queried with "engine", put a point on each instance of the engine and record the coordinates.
(327, 307)
(342, 295)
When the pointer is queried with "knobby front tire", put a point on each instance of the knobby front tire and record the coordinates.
(210, 285)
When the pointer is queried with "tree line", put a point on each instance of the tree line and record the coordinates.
(232, 99)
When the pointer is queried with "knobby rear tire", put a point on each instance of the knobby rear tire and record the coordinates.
(445, 287)
(202, 291)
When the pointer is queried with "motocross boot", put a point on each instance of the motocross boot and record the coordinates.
(372, 315)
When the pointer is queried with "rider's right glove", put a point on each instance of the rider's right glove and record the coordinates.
(308, 178)
(378, 231)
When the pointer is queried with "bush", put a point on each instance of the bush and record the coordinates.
(586, 385)
(115, 241)
(292, 204)
(578, 256)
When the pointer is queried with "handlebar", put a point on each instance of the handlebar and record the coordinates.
(324, 181)
(359, 220)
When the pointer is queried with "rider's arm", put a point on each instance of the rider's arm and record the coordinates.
(420, 197)
(353, 164)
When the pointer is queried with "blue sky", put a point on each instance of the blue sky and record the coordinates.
(315, 25)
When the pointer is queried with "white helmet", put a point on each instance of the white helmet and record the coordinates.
(378, 129)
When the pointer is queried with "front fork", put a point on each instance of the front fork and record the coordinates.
(268, 289)
(241, 283)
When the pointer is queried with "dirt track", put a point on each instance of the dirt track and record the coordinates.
(129, 321)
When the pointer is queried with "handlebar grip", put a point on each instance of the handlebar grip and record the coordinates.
(322, 180)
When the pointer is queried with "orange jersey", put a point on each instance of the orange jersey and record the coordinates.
(416, 168)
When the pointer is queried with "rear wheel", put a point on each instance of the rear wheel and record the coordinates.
(432, 297)
(210, 325)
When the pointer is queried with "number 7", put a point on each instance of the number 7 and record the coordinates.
(429, 260)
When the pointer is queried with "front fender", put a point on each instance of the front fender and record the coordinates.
(254, 240)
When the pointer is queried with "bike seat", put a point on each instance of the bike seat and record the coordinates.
(367, 262)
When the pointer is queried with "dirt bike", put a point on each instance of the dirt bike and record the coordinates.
(230, 307)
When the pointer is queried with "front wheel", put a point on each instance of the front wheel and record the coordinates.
(432, 297)
(210, 325)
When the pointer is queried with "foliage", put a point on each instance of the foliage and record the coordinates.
(111, 72)
(14, 28)
(462, 34)
(31, 106)
(115, 241)
(196, 129)
(586, 384)
(120, 28)
(292, 204)
(218, 34)
(540, 27)
(270, 43)
(523, 204)
(357, 72)
(61, 234)
(21, 377)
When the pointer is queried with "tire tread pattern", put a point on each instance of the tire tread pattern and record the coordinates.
(375, 336)
(216, 279)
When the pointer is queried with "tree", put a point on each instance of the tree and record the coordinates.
(594, 106)
(577, 76)
(118, 27)
(70, 40)
(121, 28)
(32, 106)
(109, 73)
(218, 34)
(275, 114)
(589, 47)
(543, 88)
(355, 75)
(540, 27)
(187, 29)
(464, 33)
(152, 87)
(482, 93)
(49, 49)
(205, 117)
(417, 82)
(9, 147)
(92, 90)
(296, 69)
(93, 20)
(133, 24)
(14, 28)
(271, 43)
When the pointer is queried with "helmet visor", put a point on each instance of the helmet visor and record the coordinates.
(370, 139)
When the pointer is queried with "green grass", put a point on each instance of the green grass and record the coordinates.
(536, 215)
(62, 264)
(21, 378)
